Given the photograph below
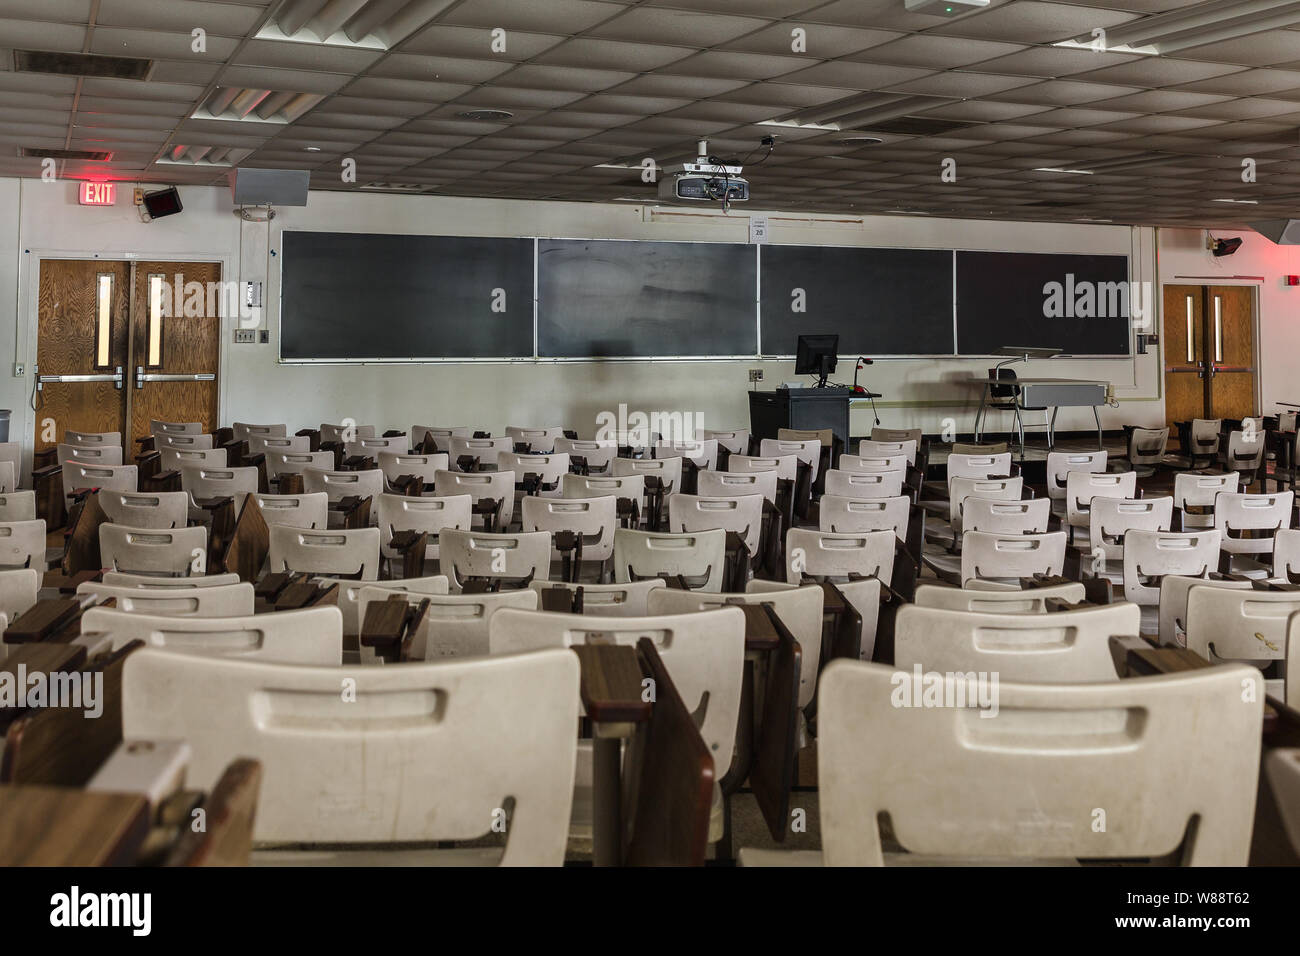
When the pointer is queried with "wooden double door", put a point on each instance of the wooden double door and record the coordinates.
(122, 343)
(1209, 352)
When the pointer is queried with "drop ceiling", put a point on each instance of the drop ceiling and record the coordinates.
(1037, 131)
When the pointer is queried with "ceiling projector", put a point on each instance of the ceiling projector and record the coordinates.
(703, 180)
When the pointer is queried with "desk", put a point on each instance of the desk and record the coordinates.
(1053, 393)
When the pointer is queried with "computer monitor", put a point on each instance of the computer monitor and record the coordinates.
(815, 355)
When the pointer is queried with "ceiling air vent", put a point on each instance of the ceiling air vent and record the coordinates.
(918, 126)
(82, 64)
(94, 155)
(398, 187)
(486, 116)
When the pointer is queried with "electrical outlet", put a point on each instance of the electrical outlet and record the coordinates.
(18, 370)
(756, 375)
(245, 336)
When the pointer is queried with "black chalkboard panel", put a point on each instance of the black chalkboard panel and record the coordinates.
(617, 298)
(879, 301)
(1005, 298)
(359, 295)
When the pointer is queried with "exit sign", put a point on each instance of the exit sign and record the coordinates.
(97, 194)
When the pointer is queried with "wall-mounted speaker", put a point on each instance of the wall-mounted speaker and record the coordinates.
(269, 187)
(1285, 232)
(164, 202)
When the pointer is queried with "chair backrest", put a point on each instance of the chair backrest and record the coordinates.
(799, 608)
(809, 451)
(744, 516)
(77, 474)
(824, 435)
(979, 448)
(1247, 626)
(352, 553)
(296, 462)
(1205, 435)
(465, 554)
(1082, 486)
(896, 434)
(345, 433)
(395, 464)
(348, 594)
(1174, 590)
(861, 595)
(435, 729)
(550, 468)
(857, 463)
(374, 447)
(90, 454)
(440, 434)
(698, 556)
(1245, 452)
(1267, 513)
(704, 451)
(146, 509)
(667, 469)
(486, 450)
(1198, 490)
(455, 625)
(175, 551)
(1061, 463)
(497, 485)
(820, 554)
(174, 458)
(785, 466)
(296, 511)
(1068, 647)
(980, 513)
(1111, 518)
(340, 484)
(1009, 390)
(959, 489)
(207, 481)
(735, 440)
(92, 438)
(8, 476)
(540, 441)
(594, 518)
(229, 600)
(1286, 555)
(242, 431)
(957, 783)
(271, 444)
(600, 486)
(837, 513)
(426, 514)
(1011, 556)
(597, 452)
(1146, 446)
(998, 601)
(629, 599)
(17, 505)
(867, 448)
(157, 427)
(979, 466)
(127, 579)
(185, 442)
(864, 484)
(704, 654)
(18, 591)
(1153, 554)
(729, 484)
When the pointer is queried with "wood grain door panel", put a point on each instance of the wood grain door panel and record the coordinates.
(1230, 321)
(1185, 385)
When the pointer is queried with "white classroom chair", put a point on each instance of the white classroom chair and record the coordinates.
(703, 452)
(842, 515)
(1150, 555)
(1000, 600)
(735, 440)
(867, 448)
(396, 464)
(731, 484)
(1195, 493)
(345, 433)
(242, 431)
(157, 427)
(785, 466)
(594, 518)
(744, 516)
(454, 625)
(351, 553)
(598, 453)
(205, 481)
(430, 514)
(92, 438)
(699, 557)
(280, 444)
(523, 556)
(146, 509)
(1061, 463)
(840, 557)
(1010, 557)
(486, 450)
(440, 434)
(549, 468)
(1082, 486)
(229, 600)
(348, 594)
(297, 511)
(1247, 627)
(18, 505)
(863, 595)
(498, 486)
(630, 599)
(18, 590)
(809, 451)
(540, 441)
(850, 484)
(180, 552)
(1261, 516)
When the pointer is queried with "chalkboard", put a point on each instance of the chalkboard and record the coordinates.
(617, 298)
(1006, 298)
(358, 295)
(879, 301)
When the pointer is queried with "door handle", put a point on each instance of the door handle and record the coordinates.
(115, 377)
(141, 376)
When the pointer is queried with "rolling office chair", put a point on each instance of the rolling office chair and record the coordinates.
(1007, 398)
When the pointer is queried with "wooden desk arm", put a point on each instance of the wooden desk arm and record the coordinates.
(162, 481)
(569, 544)
(148, 464)
(467, 463)
(312, 435)
(611, 687)
(411, 546)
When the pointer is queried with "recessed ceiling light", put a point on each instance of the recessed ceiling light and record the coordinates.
(860, 140)
(1243, 202)
(1057, 169)
(312, 149)
(794, 124)
(486, 115)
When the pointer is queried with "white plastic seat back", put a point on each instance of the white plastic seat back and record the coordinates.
(497, 485)
(1262, 514)
(785, 466)
(744, 516)
(89, 454)
(820, 554)
(114, 477)
(486, 450)
(1246, 626)
(1005, 517)
(296, 511)
(540, 441)
(837, 513)
(896, 434)
(1199, 491)
(550, 468)
(146, 509)
(598, 453)
(180, 552)
(799, 608)
(23, 545)
(809, 451)
(348, 595)
(18, 591)
(851, 484)
(243, 431)
(1150, 555)
(455, 625)
(1061, 463)
(1174, 590)
(979, 466)
(700, 557)
(867, 448)
(1011, 556)
(630, 599)
(186, 442)
(1111, 518)
(440, 433)
(601, 486)
(1286, 554)
(731, 484)
(999, 601)
(1066, 647)
(17, 505)
(862, 596)
(345, 433)
(157, 427)
(957, 777)
(351, 553)
(416, 753)
(465, 554)
(177, 459)
(395, 464)
(703, 452)
(667, 469)
(1245, 452)
(127, 579)
(1205, 436)
(594, 518)
(1146, 446)
(230, 600)
(704, 653)
(425, 514)
(269, 445)
(296, 462)
(92, 438)
(860, 463)
(735, 440)
(374, 447)
(959, 489)
(1082, 486)
(203, 481)
(340, 484)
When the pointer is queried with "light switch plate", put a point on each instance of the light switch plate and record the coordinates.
(756, 375)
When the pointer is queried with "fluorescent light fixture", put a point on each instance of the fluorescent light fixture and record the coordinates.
(1243, 202)
(1087, 219)
(1057, 169)
(794, 124)
(616, 166)
(1212, 22)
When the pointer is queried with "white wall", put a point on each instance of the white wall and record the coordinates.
(43, 219)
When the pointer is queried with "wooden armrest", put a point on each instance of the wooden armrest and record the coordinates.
(291, 483)
(355, 510)
(312, 435)
(162, 481)
(359, 463)
(43, 620)
(569, 544)
(49, 471)
(385, 624)
(409, 486)
(560, 599)
(467, 463)
(611, 683)
(411, 545)
(148, 443)
(760, 631)
(482, 434)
